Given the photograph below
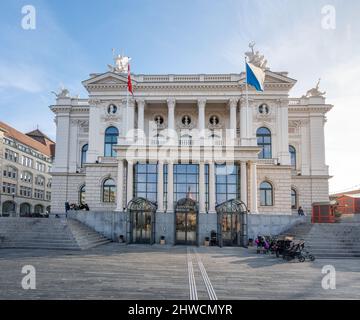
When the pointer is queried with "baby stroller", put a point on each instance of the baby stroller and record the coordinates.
(294, 251)
(280, 246)
(262, 245)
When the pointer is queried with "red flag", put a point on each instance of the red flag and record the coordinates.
(129, 84)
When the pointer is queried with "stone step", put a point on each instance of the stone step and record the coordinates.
(48, 234)
(329, 240)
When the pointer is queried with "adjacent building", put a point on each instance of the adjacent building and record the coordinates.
(185, 147)
(25, 162)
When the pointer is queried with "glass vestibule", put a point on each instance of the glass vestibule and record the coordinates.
(232, 223)
(186, 222)
(141, 213)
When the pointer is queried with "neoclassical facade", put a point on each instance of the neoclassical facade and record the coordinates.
(183, 145)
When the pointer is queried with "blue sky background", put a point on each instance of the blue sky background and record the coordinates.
(74, 38)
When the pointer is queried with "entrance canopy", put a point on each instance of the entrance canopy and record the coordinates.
(186, 205)
(232, 206)
(142, 204)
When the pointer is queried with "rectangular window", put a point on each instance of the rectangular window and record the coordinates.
(145, 177)
(227, 182)
(186, 181)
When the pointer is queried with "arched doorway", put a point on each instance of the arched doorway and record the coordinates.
(39, 209)
(186, 226)
(142, 221)
(25, 209)
(8, 208)
(232, 223)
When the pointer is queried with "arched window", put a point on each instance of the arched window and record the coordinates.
(292, 151)
(266, 194)
(109, 190)
(293, 199)
(84, 150)
(111, 136)
(82, 194)
(263, 136)
(25, 209)
(26, 176)
(39, 208)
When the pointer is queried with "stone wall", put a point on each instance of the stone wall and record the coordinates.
(65, 188)
(260, 224)
(310, 190)
(96, 174)
(113, 224)
(280, 179)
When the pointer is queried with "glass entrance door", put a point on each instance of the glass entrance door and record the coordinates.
(186, 228)
(230, 229)
(141, 227)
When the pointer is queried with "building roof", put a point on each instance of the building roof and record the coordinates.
(346, 193)
(10, 132)
(39, 134)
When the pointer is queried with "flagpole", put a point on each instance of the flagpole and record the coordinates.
(247, 101)
(127, 107)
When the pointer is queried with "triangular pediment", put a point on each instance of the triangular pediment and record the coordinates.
(108, 78)
(274, 77)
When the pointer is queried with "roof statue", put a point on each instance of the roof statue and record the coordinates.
(255, 58)
(64, 93)
(315, 92)
(121, 63)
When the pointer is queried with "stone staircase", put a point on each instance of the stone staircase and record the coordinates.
(338, 240)
(47, 233)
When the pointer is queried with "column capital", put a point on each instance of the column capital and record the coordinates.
(171, 102)
(201, 102)
(140, 102)
(233, 102)
(130, 103)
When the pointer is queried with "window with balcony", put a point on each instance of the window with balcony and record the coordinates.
(292, 151)
(263, 136)
(84, 151)
(111, 137)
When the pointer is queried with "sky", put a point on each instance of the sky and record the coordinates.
(72, 39)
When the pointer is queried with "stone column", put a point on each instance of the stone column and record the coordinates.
(305, 143)
(212, 187)
(130, 115)
(201, 119)
(202, 197)
(129, 184)
(120, 186)
(247, 137)
(171, 114)
(253, 190)
(62, 139)
(243, 181)
(170, 187)
(283, 132)
(160, 187)
(233, 105)
(141, 107)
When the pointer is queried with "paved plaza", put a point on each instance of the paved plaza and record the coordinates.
(117, 271)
